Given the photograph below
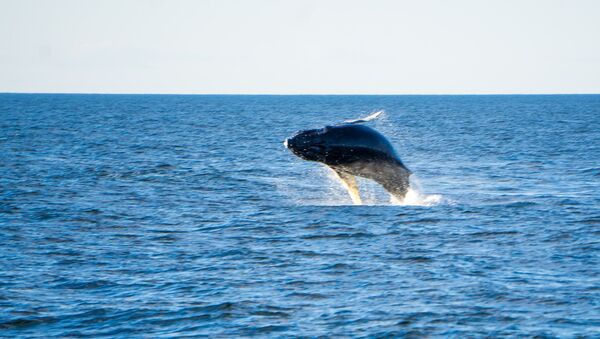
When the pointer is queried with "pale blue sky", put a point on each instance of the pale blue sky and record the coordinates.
(296, 47)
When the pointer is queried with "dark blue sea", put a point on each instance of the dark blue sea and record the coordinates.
(185, 216)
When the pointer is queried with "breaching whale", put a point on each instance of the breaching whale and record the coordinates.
(353, 149)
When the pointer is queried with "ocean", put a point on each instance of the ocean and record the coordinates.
(184, 215)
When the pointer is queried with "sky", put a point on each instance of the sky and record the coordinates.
(300, 47)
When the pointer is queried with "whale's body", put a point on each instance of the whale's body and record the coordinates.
(352, 149)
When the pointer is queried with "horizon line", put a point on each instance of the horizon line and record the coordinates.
(296, 94)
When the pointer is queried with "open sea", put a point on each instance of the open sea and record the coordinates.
(184, 215)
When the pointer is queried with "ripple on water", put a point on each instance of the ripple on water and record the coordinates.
(175, 216)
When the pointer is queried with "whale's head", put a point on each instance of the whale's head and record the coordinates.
(312, 145)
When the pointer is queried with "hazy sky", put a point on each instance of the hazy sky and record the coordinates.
(371, 47)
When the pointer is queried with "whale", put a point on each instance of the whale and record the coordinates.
(353, 149)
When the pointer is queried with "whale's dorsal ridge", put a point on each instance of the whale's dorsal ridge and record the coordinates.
(373, 116)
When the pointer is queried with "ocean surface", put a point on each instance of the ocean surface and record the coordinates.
(175, 216)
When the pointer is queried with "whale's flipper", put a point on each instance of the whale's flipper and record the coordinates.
(349, 181)
(395, 180)
(369, 118)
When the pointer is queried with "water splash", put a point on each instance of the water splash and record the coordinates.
(416, 197)
(332, 192)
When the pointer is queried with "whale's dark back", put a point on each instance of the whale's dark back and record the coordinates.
(361, 138)
(342, 145)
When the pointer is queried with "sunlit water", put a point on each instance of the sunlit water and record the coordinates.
(185, 216)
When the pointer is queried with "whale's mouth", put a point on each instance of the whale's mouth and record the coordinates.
(313, 150)
(310, 152)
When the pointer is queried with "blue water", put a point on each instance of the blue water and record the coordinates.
(158, 216)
